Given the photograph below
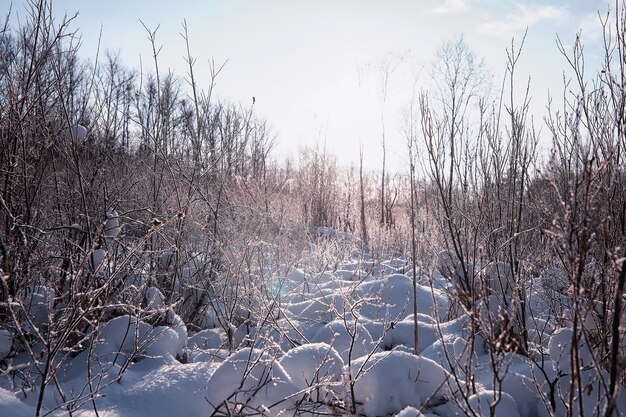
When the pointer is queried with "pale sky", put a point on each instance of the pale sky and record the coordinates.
(313, 65)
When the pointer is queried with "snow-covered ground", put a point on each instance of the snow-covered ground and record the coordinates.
(337, 342)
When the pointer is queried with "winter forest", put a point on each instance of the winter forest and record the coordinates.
(157, 258)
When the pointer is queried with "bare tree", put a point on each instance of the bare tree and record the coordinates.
(362, 198)
(587, 233)
(459, 78)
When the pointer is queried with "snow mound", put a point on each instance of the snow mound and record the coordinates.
(250, 381)
(401, 334)
(77, 134)
(560, 348)
(493, 404)
(125, 338)
(112, 225)
(411, 412)
(387, 382)
(96, 259)
(555, 279)
(340, 335)
(154, 298)
(38, 304)
(315, 367)
(121, 338)
(207, 339)
(444, 264)
(393, 298)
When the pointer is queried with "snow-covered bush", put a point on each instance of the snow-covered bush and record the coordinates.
(561, 348)
(122, 339)
(554, 279)
(392, 297)
(38, 303)
(250, 381)
(96, 260)
(154, 298)
(387, 382)
(112, 226)
(498, 278)
(125, 339)
(315, 369)
(444, 264)
(401, 334)
(207, 339)
(350, 340)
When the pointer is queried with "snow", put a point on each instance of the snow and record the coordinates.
(6, 343)
(342, 341)
(339, 335)
(10, 405)
(169, 390)
(554, 279)
(154, 298)
(77, 134)
(207, 339)
(97, 257)
(38, 304)
(250, 380)
(560, 348)
(401, 334)
(412, 412)
(315, 367)
(499, 280)
(445, 264)
(387, 382)
(392, 297)
(112, 225)
(121, 338)
(493, 404)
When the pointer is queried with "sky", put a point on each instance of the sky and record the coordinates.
(314, 67)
